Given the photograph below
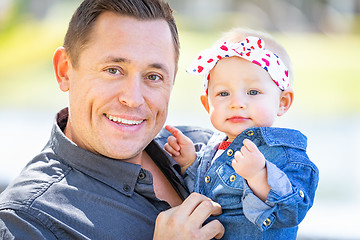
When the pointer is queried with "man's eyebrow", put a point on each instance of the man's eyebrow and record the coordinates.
(160, 67)
(124, 60)
(116, 59)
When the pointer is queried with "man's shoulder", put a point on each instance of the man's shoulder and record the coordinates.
(34, 180)
(196, 134)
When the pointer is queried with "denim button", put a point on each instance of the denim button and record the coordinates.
(250, 133)
(230, 152)
(207, 179)
(301, 193)
(126, 188)
(232, 178)
(141, 176)
(267, 222)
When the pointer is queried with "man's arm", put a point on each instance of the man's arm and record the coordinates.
(186, 221)
(19, 225)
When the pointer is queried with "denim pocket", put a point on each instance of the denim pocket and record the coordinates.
(229, 190)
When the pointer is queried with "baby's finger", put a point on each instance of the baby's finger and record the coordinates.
(244, 151)
(172, 141)
(249, 145)
(237, 163)
(173, 130)
(171, 151)
(180, 137)
(238, 156)
(166, 148)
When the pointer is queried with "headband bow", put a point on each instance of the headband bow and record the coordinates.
(251, 49)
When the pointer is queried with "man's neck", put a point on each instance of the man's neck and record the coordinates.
(162, 187)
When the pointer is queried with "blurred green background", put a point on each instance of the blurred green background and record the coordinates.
(321, 36)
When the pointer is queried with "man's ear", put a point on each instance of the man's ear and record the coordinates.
(286, 99)
(61, 64)
(205, 102)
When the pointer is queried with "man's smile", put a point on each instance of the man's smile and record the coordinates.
(122, 120)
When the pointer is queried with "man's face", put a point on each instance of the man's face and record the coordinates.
(119, 92)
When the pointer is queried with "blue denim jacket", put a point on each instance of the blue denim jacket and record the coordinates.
(293, 179)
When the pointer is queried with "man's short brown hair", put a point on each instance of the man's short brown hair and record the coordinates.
(85, 17)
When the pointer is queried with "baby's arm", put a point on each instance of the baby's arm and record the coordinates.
(249, 163)
(180, 147)
(292, 187)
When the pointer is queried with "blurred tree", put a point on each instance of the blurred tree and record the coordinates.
(17, 11)
(272, 15)
(12, 15)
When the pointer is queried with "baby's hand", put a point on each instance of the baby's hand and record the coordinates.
(180, 147)
(249, 161)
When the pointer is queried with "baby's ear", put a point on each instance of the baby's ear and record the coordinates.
(205, 102)
(286, 99)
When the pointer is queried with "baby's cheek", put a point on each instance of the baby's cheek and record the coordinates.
(265, 116)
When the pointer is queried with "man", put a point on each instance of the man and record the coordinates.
(103, 174)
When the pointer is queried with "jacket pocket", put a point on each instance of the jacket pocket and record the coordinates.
(229, 190)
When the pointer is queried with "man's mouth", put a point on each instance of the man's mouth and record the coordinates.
(122, 120)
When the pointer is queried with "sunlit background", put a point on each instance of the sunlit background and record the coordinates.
(322, 37)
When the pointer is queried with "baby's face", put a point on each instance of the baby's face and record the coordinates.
(241, 95)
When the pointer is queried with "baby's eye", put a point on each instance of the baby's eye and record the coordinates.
(224, 94)
(253, 92)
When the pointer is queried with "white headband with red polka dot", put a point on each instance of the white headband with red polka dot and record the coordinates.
(251, 49)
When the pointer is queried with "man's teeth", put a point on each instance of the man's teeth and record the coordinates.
(123, 121)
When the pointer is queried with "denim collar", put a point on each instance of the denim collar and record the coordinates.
(270, 136)
(273, 136)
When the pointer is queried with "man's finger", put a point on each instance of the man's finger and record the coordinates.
(183, 221)
(213, 229)
(203, 211)
(191, 202)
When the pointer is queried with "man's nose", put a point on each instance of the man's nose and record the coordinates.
(131, 93)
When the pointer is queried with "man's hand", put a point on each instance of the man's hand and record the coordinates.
(186, 221)
(180, 147)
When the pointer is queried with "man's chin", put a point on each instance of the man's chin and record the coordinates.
(127, 154)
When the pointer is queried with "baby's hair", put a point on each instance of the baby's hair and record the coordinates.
(239, 34)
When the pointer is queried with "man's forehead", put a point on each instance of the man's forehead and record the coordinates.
(128, 40)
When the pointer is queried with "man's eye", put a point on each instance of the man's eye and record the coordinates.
(154, 77)
(253, 92)
(224, 94)
(113, 71)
